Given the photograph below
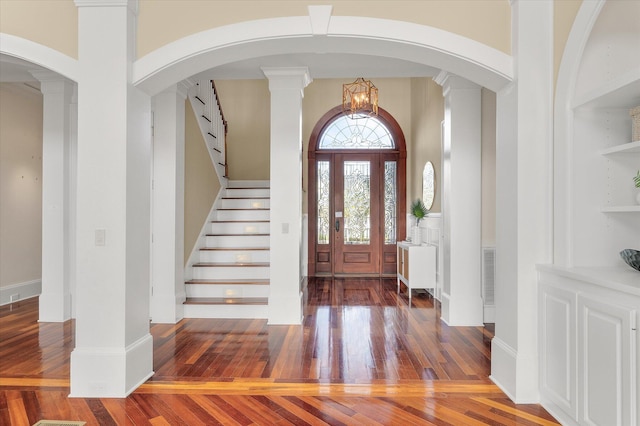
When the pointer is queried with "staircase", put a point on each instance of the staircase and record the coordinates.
(231, 278)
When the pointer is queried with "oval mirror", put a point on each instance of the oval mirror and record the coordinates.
(428, 185)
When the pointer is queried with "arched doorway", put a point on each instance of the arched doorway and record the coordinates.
(357, 194)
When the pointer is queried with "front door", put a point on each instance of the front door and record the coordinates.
(356, 198)
(356, 237)
(356, 209)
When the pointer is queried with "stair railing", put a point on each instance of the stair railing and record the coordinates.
(214, 126)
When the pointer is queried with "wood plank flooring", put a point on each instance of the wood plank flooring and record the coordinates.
(361, 357)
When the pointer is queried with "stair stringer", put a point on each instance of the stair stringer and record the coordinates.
(194, 256)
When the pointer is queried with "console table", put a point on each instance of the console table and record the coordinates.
(416, 266)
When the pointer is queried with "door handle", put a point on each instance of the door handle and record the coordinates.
(338, 225)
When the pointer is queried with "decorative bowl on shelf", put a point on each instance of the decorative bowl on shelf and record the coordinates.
(631, 257)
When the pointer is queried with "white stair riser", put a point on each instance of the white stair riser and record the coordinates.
(239, 228)
(230, 273)
(236, 291)
(248, 184)
(234, 256)
(242, 215)
(226, 311)
(247, 193)
(241, 241)
(244, 203)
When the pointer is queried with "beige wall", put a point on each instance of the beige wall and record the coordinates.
(247, 108)
(488, 168)
(20, 184)
(161, 22)
(427, 113)
(564, 13)
(53, 23)
(201, 185)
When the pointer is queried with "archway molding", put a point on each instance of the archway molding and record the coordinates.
(39, 54)
(416, 43)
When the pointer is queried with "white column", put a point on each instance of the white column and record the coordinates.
(462, 201)
(285, 299)
(55, 300)
(523, 199)
(114, 349)
(167, 252)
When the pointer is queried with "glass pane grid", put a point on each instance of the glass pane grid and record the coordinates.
(360, 133)
(323, 203)
(357, 202)
(390, 201)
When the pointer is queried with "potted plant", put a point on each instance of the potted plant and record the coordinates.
(419, 212)
(636, 180)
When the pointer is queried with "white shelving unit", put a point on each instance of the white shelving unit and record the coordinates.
(621, 160)
(589, 302)
(605, 215)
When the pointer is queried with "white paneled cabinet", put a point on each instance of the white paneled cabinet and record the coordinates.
(606, 338)
(589, 346)
(416, 266)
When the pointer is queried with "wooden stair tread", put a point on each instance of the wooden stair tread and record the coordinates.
(244, 210)
(246, 198)
(238, 281)
(240, 221)
(246, 234)
(234, 248)
(226, 301)
(229, 264)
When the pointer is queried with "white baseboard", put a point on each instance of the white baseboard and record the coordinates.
(111, 372)
(503, 367)
(489, 314)
(21, 291)
(513, 373)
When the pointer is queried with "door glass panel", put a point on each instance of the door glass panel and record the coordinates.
(323, 202)
(357, 202)
(360, 133)
(390, 202)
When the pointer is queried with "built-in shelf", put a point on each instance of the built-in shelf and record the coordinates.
(621, 209)
(622, 92)
(621, 278)
(627, 148)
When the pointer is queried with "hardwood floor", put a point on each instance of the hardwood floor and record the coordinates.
(361, 357)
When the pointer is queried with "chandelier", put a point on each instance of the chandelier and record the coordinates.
(360, 98)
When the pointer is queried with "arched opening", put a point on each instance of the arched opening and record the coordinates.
(357, 194)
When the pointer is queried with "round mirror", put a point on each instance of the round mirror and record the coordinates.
(428, 185)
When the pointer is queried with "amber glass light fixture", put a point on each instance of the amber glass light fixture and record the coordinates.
(360, 98)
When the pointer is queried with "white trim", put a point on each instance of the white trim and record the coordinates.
(130, 4)
(111, 372)
(563, 130)
(40, 55)
(504, 361)
(24, 290)
(320, 16)
(430, 46)
(503, 358)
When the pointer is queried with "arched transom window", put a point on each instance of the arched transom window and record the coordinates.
(361, 133)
